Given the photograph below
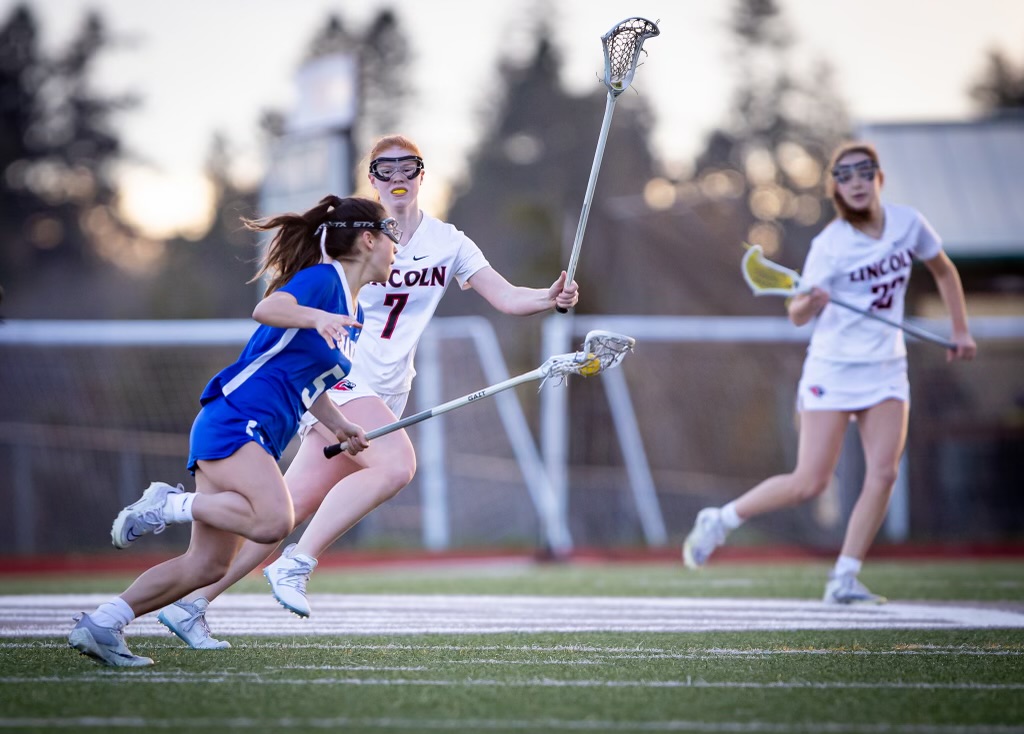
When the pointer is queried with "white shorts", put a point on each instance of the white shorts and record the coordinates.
(828, 385)
(396, 402)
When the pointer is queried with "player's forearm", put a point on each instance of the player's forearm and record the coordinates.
(801, 309)
(285, 313)
(522, 301)
(325, 411)
(952, 292)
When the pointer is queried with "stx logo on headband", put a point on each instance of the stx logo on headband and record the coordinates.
(388, 226)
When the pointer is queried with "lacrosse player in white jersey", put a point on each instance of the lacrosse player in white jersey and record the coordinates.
(856, 367)
(341, 491)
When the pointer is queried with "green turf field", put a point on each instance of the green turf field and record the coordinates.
(861, 680)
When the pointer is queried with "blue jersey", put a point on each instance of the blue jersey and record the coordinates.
(278, 375)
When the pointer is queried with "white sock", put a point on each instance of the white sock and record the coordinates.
(178, 507)
(847, 564)
(113, 613)
(729, 517)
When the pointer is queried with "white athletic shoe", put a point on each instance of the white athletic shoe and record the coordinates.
(105, 645)
(187, 620)
(708, 533)
(846, 589)
(143, 516)
(288, 576)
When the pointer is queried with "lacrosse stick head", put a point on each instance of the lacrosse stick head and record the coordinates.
(766, 278)
(601, 351)
(622, 47)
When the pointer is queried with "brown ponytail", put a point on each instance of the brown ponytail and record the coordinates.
(296, 244)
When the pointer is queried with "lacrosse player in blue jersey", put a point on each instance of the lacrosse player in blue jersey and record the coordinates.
(317, 263)
(856, 367)
(432, 255)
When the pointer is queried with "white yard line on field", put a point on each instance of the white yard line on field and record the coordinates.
(177, 677)
(598, 655)
(529, 725)
(400, 614)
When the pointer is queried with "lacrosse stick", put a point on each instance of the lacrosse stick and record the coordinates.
(602, 350)
(766, 278)
(622, 46)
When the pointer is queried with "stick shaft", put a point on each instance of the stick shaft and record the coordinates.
(909, 328)
(588, 198)
(335, 449)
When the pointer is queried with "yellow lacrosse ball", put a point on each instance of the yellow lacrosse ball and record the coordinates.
(592, 366)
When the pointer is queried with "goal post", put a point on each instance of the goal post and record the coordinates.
(91, 411)
(115, 399)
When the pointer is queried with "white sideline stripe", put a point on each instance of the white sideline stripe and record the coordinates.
(407, 614)
(418, 724)
(610, 653)
(186, 678)
(602, 657)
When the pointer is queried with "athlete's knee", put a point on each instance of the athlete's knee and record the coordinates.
(395, 478)
(271, 530)
(808, 486)
(881, 478)
(272, 527)
(208, 569)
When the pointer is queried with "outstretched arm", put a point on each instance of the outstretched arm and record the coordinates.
(947, 279)
(522, 301)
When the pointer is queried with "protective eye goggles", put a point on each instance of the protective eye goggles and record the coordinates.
(388, 226)
(865, 170)
(385, 169)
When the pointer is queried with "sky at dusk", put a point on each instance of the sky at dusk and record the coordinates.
(215, 65)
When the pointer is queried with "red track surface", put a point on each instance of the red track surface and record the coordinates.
(115, 562)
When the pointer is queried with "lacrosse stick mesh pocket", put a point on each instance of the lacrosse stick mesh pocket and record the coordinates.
(763, 275)
(622, 46)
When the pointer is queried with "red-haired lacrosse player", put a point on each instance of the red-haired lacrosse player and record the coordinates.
(397, 310)
(856, 367)
(309, 323)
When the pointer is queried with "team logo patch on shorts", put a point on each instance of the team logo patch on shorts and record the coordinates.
(817, 390)
(344, 385)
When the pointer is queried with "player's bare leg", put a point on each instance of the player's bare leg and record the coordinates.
(883, 434)
(820, 443)
(309, 478)
(388, 466)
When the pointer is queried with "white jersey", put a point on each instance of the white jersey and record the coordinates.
(397, 312)
(869, 274)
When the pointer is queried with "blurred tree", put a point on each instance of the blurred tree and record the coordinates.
(1001, 85)
(773, 150)
(209, 277)
(21, 72)
(58, 150)
(528, 174)
(385, 87)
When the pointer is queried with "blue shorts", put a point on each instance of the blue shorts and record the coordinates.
(220, 430)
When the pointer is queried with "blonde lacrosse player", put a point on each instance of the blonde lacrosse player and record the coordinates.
(341, 491)
(856, 367)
